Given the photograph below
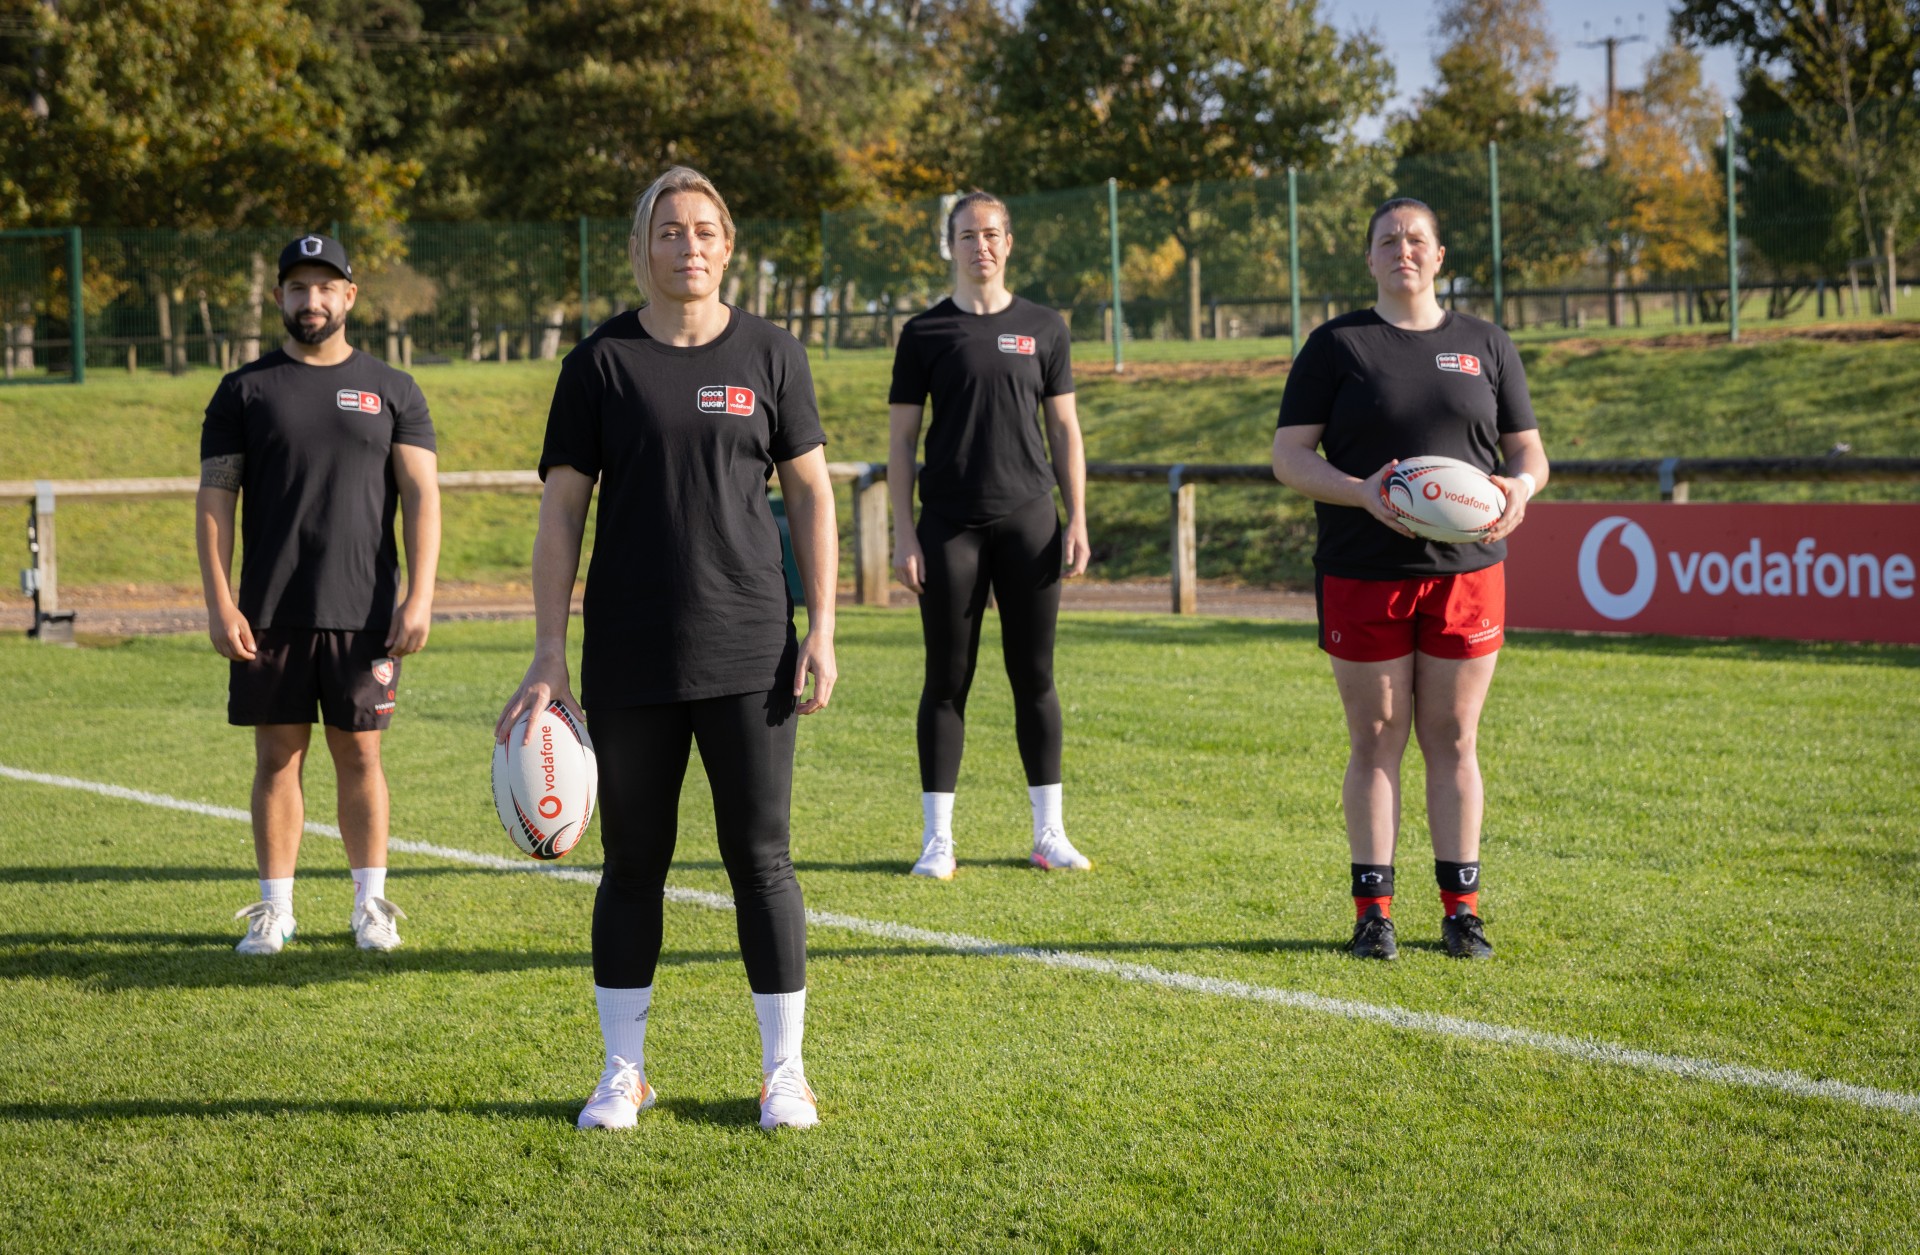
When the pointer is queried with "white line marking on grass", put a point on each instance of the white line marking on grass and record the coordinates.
(1584, 1049)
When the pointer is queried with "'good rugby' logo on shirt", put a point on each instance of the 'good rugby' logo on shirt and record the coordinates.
(727, 400)
(354, 399)
(1463, 363)
(1022, 345)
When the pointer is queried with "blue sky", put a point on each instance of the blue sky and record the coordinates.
(1405, 27)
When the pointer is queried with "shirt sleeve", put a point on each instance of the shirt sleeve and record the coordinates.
(793, 420)
(1513, 403)
(1312, 381)
(1059, 380)
(910, 383)
(411, 422)
(573, 421)
(224, 432)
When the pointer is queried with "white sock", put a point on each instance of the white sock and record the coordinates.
(369, 882)
(1046, 808)
(937, 810)
(783, 1021)
(278, 891)
(623, 1022)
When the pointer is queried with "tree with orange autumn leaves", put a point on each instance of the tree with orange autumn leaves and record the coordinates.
(1663, 155)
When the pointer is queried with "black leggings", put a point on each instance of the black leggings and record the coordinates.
(1019, 556)
(746, 745)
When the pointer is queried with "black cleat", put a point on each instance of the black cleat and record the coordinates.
(1373, 936)
(1466, 937)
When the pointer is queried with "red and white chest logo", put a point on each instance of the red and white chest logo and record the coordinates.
(354, 399)
(1022, 345)
(1459, 363)
(727, 400)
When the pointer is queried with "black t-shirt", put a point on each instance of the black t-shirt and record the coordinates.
(988, 374)
(1384, 393)
(686, 596)
(318, 493)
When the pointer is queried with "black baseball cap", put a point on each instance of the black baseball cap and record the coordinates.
(318, 250)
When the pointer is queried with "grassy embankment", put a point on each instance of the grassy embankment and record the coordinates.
(1599, 395)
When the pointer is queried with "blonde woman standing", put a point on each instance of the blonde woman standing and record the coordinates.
(680, 411)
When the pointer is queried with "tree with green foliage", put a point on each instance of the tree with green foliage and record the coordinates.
(1163, 95)
(1495, 86)
(1848, 74)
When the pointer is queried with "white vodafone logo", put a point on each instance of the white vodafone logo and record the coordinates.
(1604, 600)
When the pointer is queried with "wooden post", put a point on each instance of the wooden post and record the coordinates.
(500, 343)
(45, 562)
(133, 358)
(1185, 555)
(870, 536)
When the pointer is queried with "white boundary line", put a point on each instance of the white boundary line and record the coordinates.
(1584, 1049)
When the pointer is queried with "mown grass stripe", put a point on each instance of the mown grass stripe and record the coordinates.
(1584, 1049)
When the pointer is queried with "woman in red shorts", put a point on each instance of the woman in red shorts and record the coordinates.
(1413, 627)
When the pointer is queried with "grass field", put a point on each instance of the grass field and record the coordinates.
(1598, 395)
(1704, 850)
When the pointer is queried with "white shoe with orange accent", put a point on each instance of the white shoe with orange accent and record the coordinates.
(1052, 852)
(618, 1099)
(936, 858)
(785, 1100)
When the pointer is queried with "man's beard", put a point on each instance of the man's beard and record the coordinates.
(313, 333)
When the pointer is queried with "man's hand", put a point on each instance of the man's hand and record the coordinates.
(231, 634)
(411, 623)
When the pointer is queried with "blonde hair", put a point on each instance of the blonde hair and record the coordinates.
(677, 179)
(970, 201)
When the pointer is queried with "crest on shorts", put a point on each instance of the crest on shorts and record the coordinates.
(383, 671)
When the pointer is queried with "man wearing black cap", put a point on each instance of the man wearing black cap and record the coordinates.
(323, 443)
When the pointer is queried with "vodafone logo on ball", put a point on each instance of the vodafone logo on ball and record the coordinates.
(1459, 363)
(354, 399)
(726, 399)
(1819, 572)
(1023, 345)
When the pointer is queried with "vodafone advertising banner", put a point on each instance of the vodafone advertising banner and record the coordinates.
(1801, 572)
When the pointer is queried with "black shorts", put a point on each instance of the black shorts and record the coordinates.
(349, 675)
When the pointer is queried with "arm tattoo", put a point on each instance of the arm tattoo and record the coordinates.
(225, 471)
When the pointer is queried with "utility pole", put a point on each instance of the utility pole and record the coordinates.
(1612, 44)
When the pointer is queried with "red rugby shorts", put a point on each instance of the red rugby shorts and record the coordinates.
(1442, 616)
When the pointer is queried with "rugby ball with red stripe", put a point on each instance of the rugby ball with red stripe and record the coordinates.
(544, 790)
(1443, 499)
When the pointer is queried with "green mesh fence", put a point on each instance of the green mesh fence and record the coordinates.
(1580, 241)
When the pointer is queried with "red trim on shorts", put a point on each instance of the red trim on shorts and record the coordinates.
(1443, 616)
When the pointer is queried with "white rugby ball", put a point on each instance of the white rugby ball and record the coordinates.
(544, 790)
(1443, 499)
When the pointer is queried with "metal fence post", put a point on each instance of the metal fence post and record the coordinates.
(1185, 545)
(1493, 194)
(826, 295)
(76, 306)
(1293, 255)
(1113, 243)
(1733, 245)
(586, 322)
(870, 536)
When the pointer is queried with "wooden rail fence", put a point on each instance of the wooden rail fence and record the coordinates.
(872, 542)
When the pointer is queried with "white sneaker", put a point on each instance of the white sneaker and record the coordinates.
(268, 928)
(936, 858)
(785, 1100)
(618, 1099)
(1054, 853)
(373, 925)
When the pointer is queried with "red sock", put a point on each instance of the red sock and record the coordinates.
(1360, 906)
(1452, 902)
